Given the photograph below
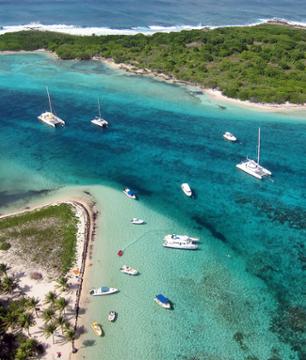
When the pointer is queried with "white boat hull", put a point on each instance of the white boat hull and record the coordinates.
(98, 292)
(172, 237)
(128, 270)
(254, 169)
(181, 246)
(100, 122)
(51, 119)
(186, 189)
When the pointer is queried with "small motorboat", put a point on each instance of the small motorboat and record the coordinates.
(112, 315)
(97, 328)
(137, 221)
(162, 301)
(229, 137)
(130, 194)
(129, 270)
(103, 290)
(186, 189)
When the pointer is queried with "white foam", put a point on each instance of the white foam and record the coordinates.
(150, 30)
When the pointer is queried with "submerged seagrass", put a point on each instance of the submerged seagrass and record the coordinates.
(264, 63)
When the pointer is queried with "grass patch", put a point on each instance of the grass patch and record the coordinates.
(46, 237)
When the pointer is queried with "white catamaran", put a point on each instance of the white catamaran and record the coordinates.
(98, 120)
(252, 167)
(49, 117)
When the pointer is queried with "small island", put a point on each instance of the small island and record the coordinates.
(261, 64)
(42, 262)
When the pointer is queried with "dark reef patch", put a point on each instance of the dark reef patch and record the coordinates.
(210, 227)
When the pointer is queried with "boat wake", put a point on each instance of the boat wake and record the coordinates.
(146, 30)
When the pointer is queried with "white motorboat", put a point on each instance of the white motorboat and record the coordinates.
(186, 189)
(97, 328)
(98, 120)
(252, 167)
(229, 137)
(129, 270)
(162, 301)
(49, 117)
(112, 315)
(103, 290)
(130, 194)
(181, 244)
(172, 237)
(137, 221)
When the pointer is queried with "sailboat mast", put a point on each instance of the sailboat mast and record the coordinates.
(50, 106)
(99, 108)
(258, 146)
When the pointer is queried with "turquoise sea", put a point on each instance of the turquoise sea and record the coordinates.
(241, 296)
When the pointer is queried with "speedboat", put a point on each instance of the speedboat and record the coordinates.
(186, 189)
(128, 270)
(103, 290)
(162, 301)
(129, 193)
(180, 237)
(137, 221)
(229, 137)
(112, 316)
(97, 328)
(180, 242)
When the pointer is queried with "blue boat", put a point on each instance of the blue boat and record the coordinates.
(129, 193)
(162, 301)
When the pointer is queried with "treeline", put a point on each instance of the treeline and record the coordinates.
(265, 63)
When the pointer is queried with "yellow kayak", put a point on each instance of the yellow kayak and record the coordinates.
(97, 328)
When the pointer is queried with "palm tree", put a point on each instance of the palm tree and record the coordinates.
(62, 283)
(28, 348)
(50, 298)
(48, 330)
(32, 304)
(48, 314)
(61, 304)
(70, 335)
(61, 322)
(8, 284)
(25, 321)
(3, 269)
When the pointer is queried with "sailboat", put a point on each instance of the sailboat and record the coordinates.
(48, 117)
(98, 120)
(252, 167)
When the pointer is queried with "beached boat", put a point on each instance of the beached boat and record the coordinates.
(48, 117)
(129, 193)
(97, 328)
(98, 120)
(103, 290)
(186, 189)
(112, 315)
(170, 237)
(137, 221)
(252, 167)
(128, 270)
(182, 242)
(162, 301)
(229, 137)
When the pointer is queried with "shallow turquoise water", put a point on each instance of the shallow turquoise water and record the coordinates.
(247, 276)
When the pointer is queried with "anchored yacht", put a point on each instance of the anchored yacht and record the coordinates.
(128, 270)
(162, 301)
(130, 194)
(98, 120)
(104, 290)
(229, 137)
(48, 117)
(252, 167)
(177, 242)
(186, 189)
(171, 237)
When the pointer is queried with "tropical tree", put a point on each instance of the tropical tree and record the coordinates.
(70, 335)
(32, 304)
(3, 269)
(61, 304)
(50, 298)
(48, 330)
(25, 321)
(62, 283)
(8, 284)
(48, 314)
(28, 348)
(61, 322)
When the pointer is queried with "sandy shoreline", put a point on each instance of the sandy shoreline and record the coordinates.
(214, 94)
(86, 214)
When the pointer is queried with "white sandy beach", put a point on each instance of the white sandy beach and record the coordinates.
(39, 288)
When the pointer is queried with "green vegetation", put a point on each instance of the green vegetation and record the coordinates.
(265, 63)
(46, 237)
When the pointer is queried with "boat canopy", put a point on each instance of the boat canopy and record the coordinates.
(162, 299)
(104, 288)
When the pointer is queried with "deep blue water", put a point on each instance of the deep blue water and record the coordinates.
(134, 13)
(160, 136)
